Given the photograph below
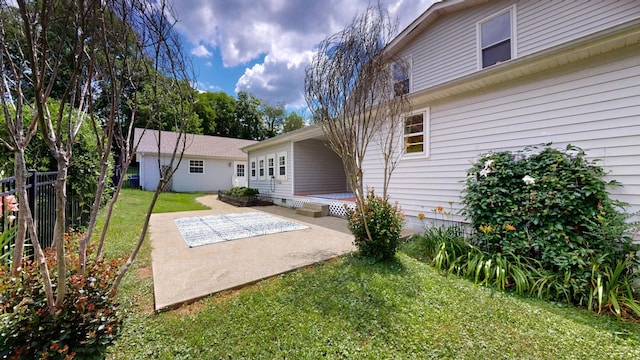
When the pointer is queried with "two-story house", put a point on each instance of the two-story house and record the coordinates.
(490, 76)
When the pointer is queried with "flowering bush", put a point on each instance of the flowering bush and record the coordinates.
(549, 205)
(8, 208)
(384, 221)
(82, 327)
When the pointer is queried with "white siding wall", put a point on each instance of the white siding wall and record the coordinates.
(448, 48)
(217, 175)
(149, 173)
(279, 188)
(594, 104)
(542, 24)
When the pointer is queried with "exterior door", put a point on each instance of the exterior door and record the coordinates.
(239, 173)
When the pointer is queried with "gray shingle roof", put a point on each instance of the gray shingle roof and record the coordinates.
(196, 145)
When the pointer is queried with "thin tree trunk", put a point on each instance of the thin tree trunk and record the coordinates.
(59, 227)
(143, 234)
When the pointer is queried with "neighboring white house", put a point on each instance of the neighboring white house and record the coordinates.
(498, 75)
(209, 163)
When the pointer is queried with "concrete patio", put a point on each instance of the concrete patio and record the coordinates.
(182, 274)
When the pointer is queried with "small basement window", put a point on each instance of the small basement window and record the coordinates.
(196, 166)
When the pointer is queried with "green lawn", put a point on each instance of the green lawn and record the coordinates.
(350, 308)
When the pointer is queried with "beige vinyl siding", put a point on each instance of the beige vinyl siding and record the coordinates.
(543, 24)
(318, 169)
(594, 104)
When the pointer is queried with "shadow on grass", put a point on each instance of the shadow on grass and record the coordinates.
(604, 323)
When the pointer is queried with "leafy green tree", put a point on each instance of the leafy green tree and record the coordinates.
(217, 112)
(292, 122)
(274, 117)
(249, 117)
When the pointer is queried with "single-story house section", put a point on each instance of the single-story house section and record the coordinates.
(209, 163)
(298, 167)
(498, 75)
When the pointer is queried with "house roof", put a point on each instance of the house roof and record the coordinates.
(195, 145)
(307, 132)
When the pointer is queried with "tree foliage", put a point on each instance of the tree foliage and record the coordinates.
(78, 73)
(246, 117)
(349, 87)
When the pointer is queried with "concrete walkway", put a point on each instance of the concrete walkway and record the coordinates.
(182, 274)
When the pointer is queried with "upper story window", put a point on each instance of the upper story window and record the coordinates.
(416, 128)
(196, 166)
(496, 38)
(401, 71)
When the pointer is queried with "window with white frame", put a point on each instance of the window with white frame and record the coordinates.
(240, 170)
(282, 166)
(271, 166)
(252, 168)
(401, 73)
(416, 131)
(196, 166)
(261, 168)
(496, 38)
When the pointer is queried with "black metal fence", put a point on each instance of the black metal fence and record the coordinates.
(42, 201)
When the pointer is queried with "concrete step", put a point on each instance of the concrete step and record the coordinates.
(309, 212)
(313, 210)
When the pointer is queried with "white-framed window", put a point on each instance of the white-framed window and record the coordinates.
(196, 166)
(496, 38)
(240, 170)
(252, 168)
(261, 168)
(282, 165)
(401, 77)
(416, 134)
(271, 166)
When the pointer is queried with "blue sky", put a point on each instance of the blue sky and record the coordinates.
(263, 46)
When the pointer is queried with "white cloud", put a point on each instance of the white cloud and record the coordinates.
(283, 32)
(201, 51)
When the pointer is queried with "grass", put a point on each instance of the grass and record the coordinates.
(350, 308)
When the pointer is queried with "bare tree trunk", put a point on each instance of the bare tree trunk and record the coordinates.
(140, 241)
(59, 227)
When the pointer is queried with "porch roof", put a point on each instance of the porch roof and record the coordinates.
(305, 133)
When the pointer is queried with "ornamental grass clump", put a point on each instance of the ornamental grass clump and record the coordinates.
(83, 326)
(551, 206)
(376, 225)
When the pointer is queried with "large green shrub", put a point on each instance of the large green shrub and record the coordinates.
(384, 222)
(551, 206)
(82, 327)
(547, 204)
(242, 191)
